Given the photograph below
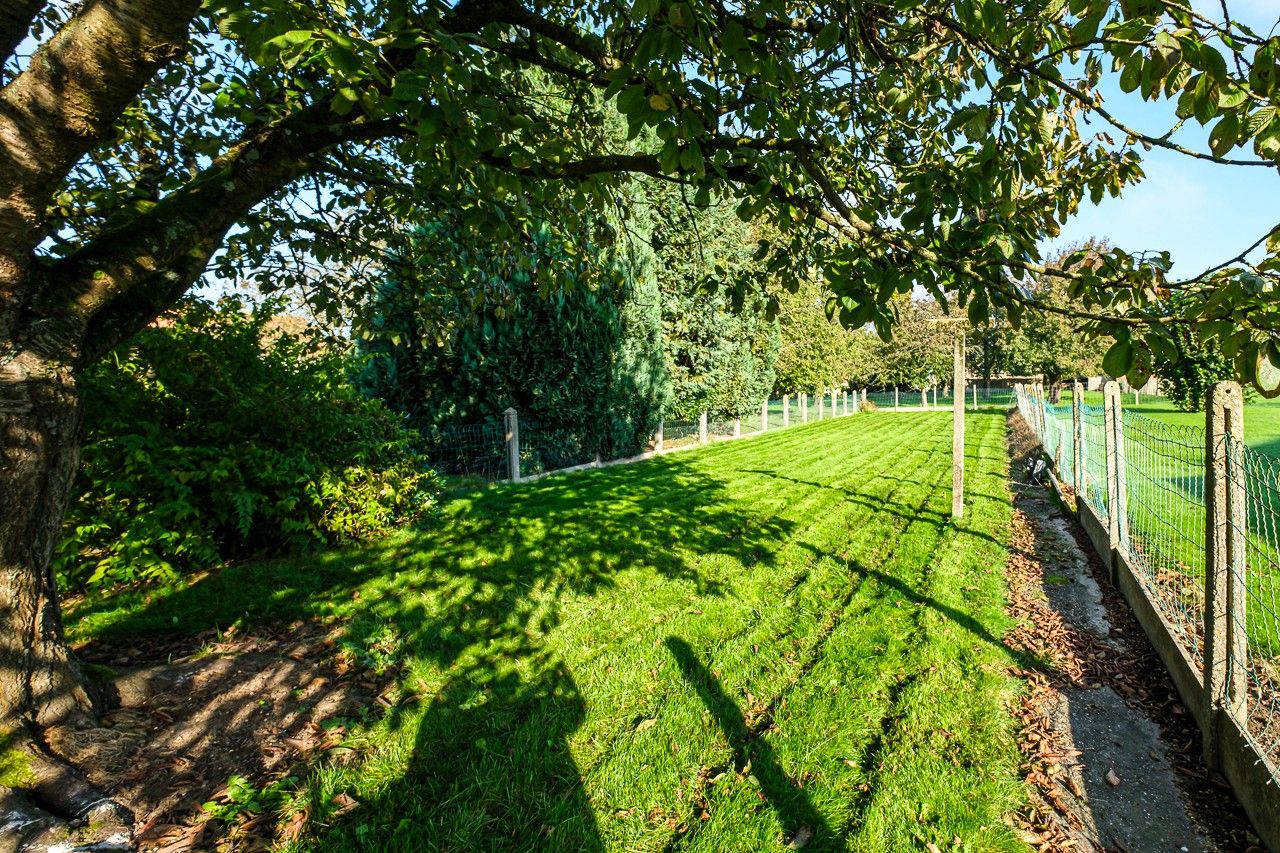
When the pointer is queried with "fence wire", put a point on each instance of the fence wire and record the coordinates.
(1164, 521)
(1093, 423)
(1261, 583)
(470, 450)
(1162, 470)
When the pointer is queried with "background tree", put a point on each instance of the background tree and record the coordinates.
(144, 141)
(720, 342)
(920, 353)
(815, 350)
(1052, 344)
(570, 336)
(1189, 366)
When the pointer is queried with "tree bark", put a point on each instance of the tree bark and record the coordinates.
(40, 683)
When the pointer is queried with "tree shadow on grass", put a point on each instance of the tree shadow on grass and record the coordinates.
(479, 758)
(801, 823)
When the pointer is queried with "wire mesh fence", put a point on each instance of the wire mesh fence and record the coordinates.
(1093, 425)
(1164, 520)
(1261, 582)
(470, 450)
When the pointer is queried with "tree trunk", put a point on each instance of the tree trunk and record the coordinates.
(40, 683)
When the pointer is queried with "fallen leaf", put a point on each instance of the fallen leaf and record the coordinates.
(1112, 779)
(645, 725)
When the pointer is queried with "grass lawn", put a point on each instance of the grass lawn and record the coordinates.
(1261, 417)
(715, 650)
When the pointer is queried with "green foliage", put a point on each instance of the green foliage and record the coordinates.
(1190, 370)
(566, 333)
(243, 797)
(721, 344)
(215, 435)
(920, 353)
(815, 350)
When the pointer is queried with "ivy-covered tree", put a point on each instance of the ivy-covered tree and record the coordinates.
(1188, 367)
(570, 336)
(916, 144)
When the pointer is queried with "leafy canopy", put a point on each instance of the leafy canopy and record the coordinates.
(919, 143)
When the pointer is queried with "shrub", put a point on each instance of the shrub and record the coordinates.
(215, 435)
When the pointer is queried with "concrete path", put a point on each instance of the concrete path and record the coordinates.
(1120, 788)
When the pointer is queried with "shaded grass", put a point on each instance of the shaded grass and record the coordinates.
(716, 650)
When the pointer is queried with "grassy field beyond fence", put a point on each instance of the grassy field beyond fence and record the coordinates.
(724, 650)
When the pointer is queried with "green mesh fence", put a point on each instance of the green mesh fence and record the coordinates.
(1262, 597)
(1093, 425)
(1163, 528)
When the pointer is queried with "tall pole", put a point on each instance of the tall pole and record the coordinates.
(957, 428)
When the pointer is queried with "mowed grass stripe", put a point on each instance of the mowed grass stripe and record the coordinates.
(587, 648)
(760, 662)
(814, 739)
(798, 791)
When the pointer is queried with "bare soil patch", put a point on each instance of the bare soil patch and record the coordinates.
(189, 715)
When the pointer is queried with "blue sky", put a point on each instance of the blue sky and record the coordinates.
(1202, 212)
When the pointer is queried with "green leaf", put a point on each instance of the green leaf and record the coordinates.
(1267, 378)
(1118, 359)
(1224, 135)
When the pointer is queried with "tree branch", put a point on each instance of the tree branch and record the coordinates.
(15, 23)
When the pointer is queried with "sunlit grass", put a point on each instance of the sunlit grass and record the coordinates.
(717, 650)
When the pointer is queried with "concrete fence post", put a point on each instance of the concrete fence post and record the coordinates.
(511, 428)
(957, 428)
(702, 428)
(786, 410)
(821, 399)
(737, 427)
(764, 416)
(935, 396)
(895, 398)
(975, 396)
(1077, 430)
(924, 398)
(1117, 513)
(1226, 643)
(804, 407)
(863, 394)
(657, 439)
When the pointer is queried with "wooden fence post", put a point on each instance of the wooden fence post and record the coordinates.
(1226, 642)
(1077, 430)
(924, 398)
(657, 444)
(957, 427)
(511, 424)
(702, 428)
(786, 410)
